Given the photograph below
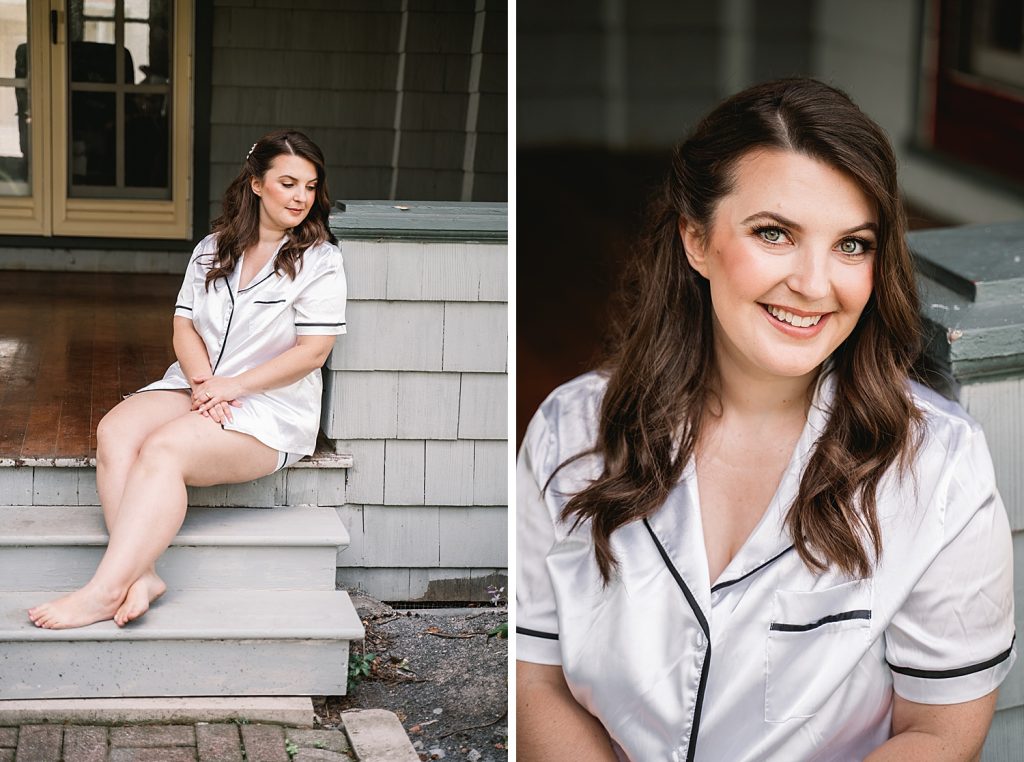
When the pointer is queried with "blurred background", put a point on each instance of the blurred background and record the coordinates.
(606, 88)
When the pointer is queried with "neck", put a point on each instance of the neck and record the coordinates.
(750, 393)
(270, 235)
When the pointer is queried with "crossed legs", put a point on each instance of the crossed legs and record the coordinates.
(147, 452)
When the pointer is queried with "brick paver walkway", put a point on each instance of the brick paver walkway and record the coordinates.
(203, 742)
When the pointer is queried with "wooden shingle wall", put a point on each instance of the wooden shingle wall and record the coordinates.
(407, 98)
(998, 405)
(417, 393)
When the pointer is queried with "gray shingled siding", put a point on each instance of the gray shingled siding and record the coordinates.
(337, 70)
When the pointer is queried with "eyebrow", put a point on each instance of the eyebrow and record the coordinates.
(796, 226)
(282, 177)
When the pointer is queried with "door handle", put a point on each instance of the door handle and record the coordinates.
(56, 20)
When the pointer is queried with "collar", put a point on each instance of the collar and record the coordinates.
(677, 526)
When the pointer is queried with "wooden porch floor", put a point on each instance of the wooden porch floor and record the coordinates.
(71, 344)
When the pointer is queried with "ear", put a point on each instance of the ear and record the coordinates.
(256, 185)
(693, 244)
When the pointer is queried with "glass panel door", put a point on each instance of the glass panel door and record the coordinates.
(95, 118)
(119, 115)
(24, 118)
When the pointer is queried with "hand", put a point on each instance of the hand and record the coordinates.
(214, 396)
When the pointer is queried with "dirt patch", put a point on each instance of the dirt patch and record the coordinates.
(440, 673)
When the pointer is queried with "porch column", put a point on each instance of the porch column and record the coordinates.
(417, 393)
(972, 287)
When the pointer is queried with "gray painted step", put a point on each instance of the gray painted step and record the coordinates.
(285, 548)
(191, 643)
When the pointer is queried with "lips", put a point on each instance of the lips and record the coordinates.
(803, 326)
(793, 317)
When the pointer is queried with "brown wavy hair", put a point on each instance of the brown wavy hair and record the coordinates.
(661, 366)
(238, 226)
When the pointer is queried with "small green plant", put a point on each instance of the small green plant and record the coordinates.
(319, 744)
(360, 666)
(501, 631)
(291, 748)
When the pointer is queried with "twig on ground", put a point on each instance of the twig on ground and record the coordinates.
(454, 635)
(495, 721)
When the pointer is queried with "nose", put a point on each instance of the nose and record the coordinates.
(810, 273)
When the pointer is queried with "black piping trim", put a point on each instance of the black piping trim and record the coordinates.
(722, 585)
(691, 746)
(226, 330)
(304, 324)
(251, 286)
(936, 674)
(276, 301)
(537, 633)
(843, 617)
(176, 389)
(182, 307)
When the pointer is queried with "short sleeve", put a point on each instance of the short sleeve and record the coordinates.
(953, 639)
(195, 276)
(320, 306)
(536, 616)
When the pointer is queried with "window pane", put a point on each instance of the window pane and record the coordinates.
(93, 139)
(136, 9)
(14, 142)
(15, 119)
(146, 141)
(996, 46)
(148, 42)
(103, 8)
(13, 38)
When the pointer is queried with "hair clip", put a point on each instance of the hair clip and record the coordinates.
(251, 150)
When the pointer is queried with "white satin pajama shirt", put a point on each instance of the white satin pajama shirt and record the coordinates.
(769, 661)
(244, 328)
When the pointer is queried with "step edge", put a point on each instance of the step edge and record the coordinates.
(126, 635)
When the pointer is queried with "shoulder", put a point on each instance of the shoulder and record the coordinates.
(204, 251)
(954, 475)
(325, 252)
(946, 425)
(321, 258)
(566, 422)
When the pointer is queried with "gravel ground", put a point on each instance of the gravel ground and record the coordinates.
(451, 693)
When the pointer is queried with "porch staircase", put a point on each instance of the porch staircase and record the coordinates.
(251, 607)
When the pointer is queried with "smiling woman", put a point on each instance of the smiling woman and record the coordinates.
(261, 304)
(754, 475)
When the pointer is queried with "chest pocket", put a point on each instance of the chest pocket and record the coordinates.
(266, 311)
(815, 640)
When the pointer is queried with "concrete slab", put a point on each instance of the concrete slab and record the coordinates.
(377, 735)
(296, 711)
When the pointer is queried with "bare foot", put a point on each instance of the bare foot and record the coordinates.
(146, 589)
(77, 609)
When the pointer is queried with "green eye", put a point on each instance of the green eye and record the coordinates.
(772, 235)
(852, 246)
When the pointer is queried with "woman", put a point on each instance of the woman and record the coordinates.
(750, 536)
(262, 302)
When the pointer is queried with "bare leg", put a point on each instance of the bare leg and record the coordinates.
(119, 438)
(191, 449)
